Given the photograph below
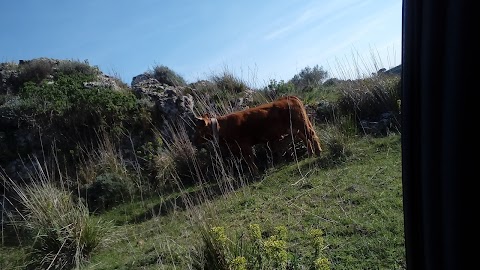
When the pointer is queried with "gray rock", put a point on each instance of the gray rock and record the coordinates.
(8, 76)
(104, 81)
(171, 106)
(382, 127)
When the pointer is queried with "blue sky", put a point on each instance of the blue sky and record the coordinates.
(254, 40)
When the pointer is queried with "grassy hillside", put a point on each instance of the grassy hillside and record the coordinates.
(358, 205)
(163, 204)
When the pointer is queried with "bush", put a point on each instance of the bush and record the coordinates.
(275, 88)
(335, 138)
(222, 94)
(66, 104)
(70, 67)
(167, 76)
(67, 92)
(4, 98)
(368, 99)
(108, 190)
(228, 82)
(176, 161)
(309, 77)
(35, 70)
(331, 82)
(325, 111)
(256, 251)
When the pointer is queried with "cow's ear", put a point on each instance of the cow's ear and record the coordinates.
(206, 116)
(200, 121)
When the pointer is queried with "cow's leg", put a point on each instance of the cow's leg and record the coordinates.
(306, 132)
(244, 153)
(275, 147)
(247, 154)
(308, 140)
(308, 144)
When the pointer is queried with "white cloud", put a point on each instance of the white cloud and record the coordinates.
(304, 17)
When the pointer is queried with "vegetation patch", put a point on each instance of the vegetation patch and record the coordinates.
(58, 232)
(175, 206)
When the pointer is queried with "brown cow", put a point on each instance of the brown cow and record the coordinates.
(267, 123)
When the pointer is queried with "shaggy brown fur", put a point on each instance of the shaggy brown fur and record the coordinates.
(267, 123)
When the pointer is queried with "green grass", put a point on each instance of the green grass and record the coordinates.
(358, 205)
(12, 257)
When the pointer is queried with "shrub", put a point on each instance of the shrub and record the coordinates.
(228, 82)
(309, 77)
(107, 190)
(64, 234)
(70, 67)
(167, 76)
(68, 106)
(368, 99)
(176, 160)
(105, 176)
(255, 251)
(331, 82)
(276, 88)
(325, 111)
(35, 70)
(214, 254)
(110, 105)
(223, 94)
(4, 98)
(335, 138)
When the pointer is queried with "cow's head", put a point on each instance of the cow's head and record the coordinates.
(203, 130)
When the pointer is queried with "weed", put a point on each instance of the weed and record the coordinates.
(253, 251)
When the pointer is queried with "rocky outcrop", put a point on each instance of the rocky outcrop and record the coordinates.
(21, 132)
(13, 75)
(325, 111)
(169, 105)
(383, 126)
(104, 81)
(8, 77)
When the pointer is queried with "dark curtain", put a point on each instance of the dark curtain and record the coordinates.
(438, 82)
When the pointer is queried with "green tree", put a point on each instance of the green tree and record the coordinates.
(309, 77)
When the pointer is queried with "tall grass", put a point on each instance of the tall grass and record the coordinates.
(206, 169)
(105, 178)
(60, 233)
(357, 66)
(104, 156)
